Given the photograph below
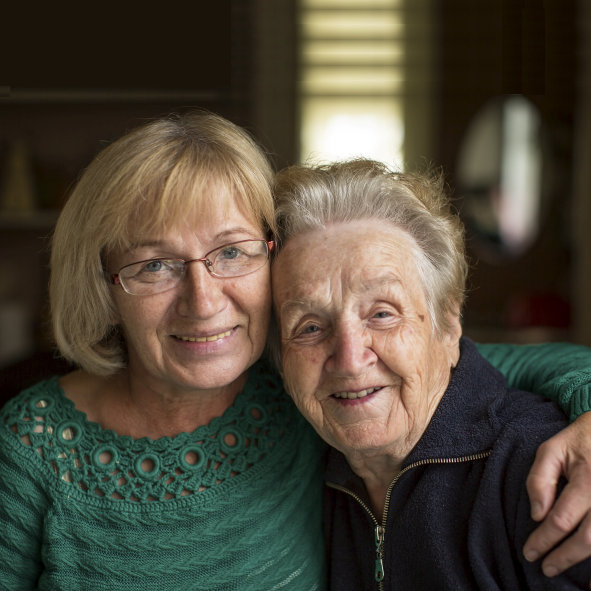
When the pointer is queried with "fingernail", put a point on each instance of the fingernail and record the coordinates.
(531, 555)
(550, 571)
(536, 509)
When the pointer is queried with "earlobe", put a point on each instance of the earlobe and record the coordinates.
(453, 336)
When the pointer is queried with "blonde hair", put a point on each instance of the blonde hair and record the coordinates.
(309, 198)
(148, 180)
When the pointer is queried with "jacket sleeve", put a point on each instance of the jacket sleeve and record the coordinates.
(558, 371)
(23, 504)
(517, 515)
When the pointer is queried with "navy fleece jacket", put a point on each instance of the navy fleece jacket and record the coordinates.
(458, 512)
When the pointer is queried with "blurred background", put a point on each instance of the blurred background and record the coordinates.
(496, 92)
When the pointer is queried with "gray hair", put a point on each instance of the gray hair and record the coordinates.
(310, 198)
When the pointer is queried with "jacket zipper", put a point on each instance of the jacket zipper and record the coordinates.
(380, 528)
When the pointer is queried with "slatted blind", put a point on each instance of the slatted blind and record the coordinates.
(351, 83)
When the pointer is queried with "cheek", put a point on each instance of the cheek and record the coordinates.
(404, 350)
(259, 318)
(141, 315)
(299, 373)
(256, 296)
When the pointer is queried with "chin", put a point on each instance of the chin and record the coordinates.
(359, 440)
(219, 375)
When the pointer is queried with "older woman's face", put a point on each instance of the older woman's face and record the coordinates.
(206, 332)
(360, 356)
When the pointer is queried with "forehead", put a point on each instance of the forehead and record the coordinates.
(345, 257)
(210, 207)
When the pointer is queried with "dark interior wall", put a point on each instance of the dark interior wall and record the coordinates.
(72, 79)
(123, 45)
(501, 47)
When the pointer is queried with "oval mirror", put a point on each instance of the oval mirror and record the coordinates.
(499, 174)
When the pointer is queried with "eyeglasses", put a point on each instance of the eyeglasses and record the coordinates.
(158, 275)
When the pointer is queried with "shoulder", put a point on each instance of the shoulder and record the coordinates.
(32, 402)
(522, 422)
(527, 417)
(28, 424)
(32, 417)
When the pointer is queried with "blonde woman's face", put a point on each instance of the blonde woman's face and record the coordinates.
(204, 333)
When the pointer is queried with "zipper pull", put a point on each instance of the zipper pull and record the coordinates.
(379, 568)
(379, 572)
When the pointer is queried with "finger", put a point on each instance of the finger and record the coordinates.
(568, 512)
(570, 552)
(542, 481)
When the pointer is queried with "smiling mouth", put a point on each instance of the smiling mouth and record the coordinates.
(208, 339)
(356, 395)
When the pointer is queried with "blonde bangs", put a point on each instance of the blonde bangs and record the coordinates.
(198, 184)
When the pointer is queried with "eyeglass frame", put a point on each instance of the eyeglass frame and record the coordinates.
(116, 280)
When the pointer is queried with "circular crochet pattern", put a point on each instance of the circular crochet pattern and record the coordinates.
(192, 457)
(105, 457)
(101, 463)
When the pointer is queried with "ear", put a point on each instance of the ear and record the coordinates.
(453, 334)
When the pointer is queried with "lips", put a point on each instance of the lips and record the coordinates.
(355, 395)
(207, 339)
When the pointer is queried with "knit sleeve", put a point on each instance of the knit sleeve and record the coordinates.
(558, 371)
(22, 508)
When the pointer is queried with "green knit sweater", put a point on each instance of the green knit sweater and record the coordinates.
(235, 505)
(558, 371)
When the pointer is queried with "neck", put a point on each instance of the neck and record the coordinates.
(132, 407)
(377, 472)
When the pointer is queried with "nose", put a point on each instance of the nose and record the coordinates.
(351, 354)
(201, 294)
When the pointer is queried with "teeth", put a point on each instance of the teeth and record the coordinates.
(355, 395)
(215, 337)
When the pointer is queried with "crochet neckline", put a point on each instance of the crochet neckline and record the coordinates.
(101, 464)
(96, 429)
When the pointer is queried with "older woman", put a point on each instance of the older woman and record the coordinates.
(426, 479)
(173, 458)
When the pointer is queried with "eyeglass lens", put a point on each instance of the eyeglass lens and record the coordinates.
(231, 260)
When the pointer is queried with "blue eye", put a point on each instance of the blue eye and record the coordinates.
(230, 252)
(153, 266)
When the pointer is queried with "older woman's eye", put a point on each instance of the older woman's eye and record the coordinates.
(306, 331)
(382, 314)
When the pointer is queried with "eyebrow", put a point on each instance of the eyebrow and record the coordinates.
(226, 234)
(386, 279)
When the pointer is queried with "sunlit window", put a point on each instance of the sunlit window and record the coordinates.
(351, 80)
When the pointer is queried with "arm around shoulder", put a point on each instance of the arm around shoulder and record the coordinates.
(558, 371)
